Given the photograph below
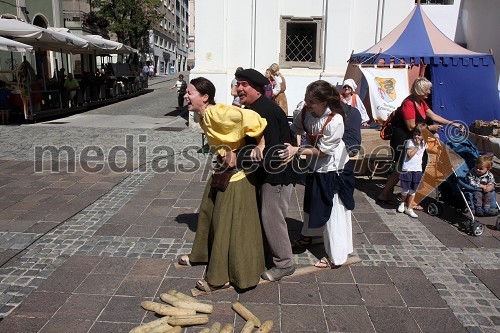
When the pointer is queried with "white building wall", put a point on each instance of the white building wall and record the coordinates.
(481, 25)
(247, 33)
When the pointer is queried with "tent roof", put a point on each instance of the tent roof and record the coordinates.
(416, 37)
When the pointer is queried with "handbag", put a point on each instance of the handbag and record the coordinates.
(220, 179)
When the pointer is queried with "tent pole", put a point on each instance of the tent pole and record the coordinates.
(12, 65)
(62, 59)
(382, 20)
(378, 19)
(43, 76)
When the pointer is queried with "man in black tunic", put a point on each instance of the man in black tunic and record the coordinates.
(275, 179)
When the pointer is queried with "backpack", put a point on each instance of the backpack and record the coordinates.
(387, 130)
(389, 124)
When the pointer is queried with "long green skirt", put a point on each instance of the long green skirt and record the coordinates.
(229, 236)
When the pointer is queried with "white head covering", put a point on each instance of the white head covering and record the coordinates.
(350, 83)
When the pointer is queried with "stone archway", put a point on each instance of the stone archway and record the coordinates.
(42, 57)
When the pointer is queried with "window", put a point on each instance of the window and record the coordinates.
(301, 42)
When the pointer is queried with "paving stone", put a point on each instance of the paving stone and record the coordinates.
(340, 294)
(40, 305)
(295, 293)
(107, 327)
(82, 307)
(123, 309)
(302, 318)
(56, 325)
(339, 319)
(266, 293)
(139, 285)
(13, 324)
(102, 284)
(370, 275)
(392, 319)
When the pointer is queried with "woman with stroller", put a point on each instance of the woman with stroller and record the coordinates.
(411, 171)
(413, 110)
(481, 178)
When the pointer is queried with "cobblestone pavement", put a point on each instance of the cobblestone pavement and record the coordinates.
(80, 250)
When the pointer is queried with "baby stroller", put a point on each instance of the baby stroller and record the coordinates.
(455, 191)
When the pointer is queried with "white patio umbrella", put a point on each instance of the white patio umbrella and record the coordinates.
(54, 40)
(14, 28)
(13, 46)
(106, 46)
(77, 42)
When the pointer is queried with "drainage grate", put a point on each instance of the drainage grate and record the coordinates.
(170, 129)
(58, 122)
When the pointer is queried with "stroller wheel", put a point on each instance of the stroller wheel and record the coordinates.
(434, 209)
(477, 229)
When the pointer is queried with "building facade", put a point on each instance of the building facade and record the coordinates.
(182, 33)
(162, 39)
(168, 40)
(42, 13)
(313, 39)
(191, 35)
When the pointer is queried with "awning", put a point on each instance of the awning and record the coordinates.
(53, 40)
(15, 28)
(106, 46)
(13, 46)
(58, 39)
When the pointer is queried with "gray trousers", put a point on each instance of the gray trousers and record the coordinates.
(275, 200)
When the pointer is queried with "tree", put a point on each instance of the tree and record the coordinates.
(130, 20)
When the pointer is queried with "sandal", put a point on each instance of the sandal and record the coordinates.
(325, 263)
(419, 208)
(305, 241)
(203, 285)
(184, 260)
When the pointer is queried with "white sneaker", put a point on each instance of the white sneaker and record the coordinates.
(410, 212)
(401, 207)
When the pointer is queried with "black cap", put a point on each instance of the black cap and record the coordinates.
(252, 75)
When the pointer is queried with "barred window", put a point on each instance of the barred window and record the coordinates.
(301, 42)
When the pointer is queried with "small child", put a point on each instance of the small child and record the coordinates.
(481, 177)
(411, 173)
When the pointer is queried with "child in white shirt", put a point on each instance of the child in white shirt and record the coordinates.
(411, 173)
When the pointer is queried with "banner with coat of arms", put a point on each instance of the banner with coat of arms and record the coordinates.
(388, 88)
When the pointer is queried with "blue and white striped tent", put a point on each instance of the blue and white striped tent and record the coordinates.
(464, 82)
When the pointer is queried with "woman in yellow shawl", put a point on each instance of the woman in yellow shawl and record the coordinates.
(228, 236)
